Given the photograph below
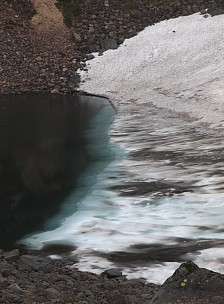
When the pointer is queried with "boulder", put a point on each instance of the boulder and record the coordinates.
(112, 273)
(191, 284)
(12, 256)
(107, 44)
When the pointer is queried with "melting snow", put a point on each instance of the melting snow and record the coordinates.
(176, 64)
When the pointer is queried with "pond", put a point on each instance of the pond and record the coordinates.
(142, 190)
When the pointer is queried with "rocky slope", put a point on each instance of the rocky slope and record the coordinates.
(30, 279)
(31, 59)
(38, 53)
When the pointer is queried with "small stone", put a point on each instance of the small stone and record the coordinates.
(77, 38)
(84, 48)
(112, 273)
(3, 283)
(93, 48)
(53, 293)
(107, 44)
(89, 57)
(12, 256)
(91, 30)
(6, 269)
(15, 288)
(203, 11)
(38, 58)
(55, 91)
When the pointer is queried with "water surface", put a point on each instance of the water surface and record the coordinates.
(157, 202)
(43, 150)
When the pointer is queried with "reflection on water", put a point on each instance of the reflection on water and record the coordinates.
(42, 152)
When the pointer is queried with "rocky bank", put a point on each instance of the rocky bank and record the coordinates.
(30, 279)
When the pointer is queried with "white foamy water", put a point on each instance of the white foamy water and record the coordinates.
(111, 218)
(157, 197)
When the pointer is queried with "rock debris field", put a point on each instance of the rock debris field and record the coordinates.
(30, 279)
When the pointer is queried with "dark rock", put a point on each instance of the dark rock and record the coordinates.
(107, 44)
(76, 37)
(93, 48)
(91, 29)
(192, 283)
(215, 11)
(84, 48)
(89, 57)
(116, 297)
(121, 40)
(55, 91)
(112, 273)
(3, 283)
(131, 300)
(203, 11)
(74, 80)
(185, 269)
(52, 293)
(12, 256)
(15, 288)
(6, 269)
(12, 298)
(110, 284)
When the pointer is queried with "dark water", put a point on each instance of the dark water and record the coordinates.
(151, 197)
(42, 153)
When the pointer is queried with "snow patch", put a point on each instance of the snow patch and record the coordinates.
(176, 64)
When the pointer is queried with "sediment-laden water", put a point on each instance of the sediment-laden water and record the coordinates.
(150, 198)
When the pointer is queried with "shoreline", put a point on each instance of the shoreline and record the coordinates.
(28, 278)
(32, 279)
